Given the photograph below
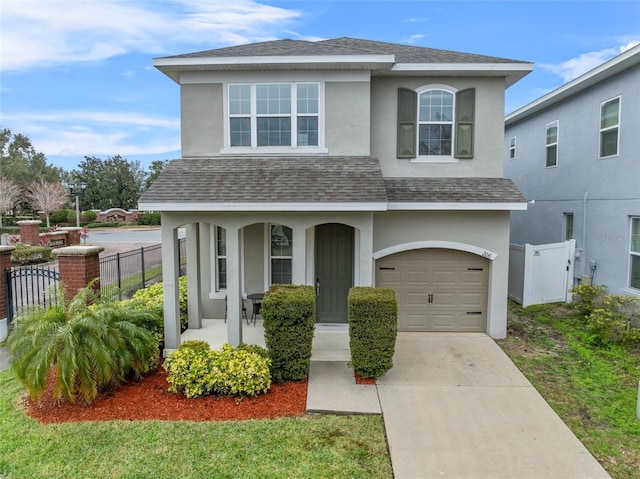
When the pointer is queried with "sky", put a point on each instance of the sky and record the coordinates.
(77, 77)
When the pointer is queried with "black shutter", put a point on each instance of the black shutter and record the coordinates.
(465, 112)
(407, 120)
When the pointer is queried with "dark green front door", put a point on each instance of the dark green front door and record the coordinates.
(334, 272)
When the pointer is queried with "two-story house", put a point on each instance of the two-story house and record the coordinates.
(576, 152)
(338, 163)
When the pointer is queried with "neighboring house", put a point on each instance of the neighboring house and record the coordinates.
(576, 152)
(340, 163)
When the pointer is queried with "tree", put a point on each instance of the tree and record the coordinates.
(47, 197)
(155, 168)
(111, 183)
(20, 163)
(9, 194)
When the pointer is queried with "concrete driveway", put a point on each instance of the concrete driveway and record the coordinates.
(455, 406)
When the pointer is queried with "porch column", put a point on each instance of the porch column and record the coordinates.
(234, 291)
(365, 260)
(170, 288)
(193, 276)
(298, 261)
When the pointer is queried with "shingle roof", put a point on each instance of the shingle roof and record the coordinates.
(347, 46)
(452, 190)
(342, 180)
(269, 180)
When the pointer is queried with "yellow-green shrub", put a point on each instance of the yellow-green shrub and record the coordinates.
(153, 297)
(196, 370)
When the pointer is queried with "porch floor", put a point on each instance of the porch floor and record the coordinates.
(330, 341)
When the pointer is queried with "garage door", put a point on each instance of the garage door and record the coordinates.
(437, 289)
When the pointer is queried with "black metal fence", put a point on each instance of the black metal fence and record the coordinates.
(122, 274)
(28, 286)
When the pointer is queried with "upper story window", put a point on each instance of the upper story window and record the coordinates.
(274, 115)
(435, 124)
(512, 148)
(552, 144)
(609, 127)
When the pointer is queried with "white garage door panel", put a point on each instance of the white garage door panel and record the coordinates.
(437, 289)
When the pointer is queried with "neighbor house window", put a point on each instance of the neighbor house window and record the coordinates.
(274, 114)
(552, 144)
(609, 127)
(281, 251)
(634, 275)
(568, 226)
(512, 148)
(221, 258)
(438, 121)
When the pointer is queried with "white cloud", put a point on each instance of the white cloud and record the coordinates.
(38, 33)
(414, 38)
(79, 133)
(574, 67)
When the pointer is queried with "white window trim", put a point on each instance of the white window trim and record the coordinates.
(632, 253)
(216, 258)
(512, 147)
(601, 130)
(555, 123)
(435, 158)
(294, 149)
(268, 257)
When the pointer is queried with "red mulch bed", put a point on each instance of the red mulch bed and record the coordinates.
(361, 380)
(150, 399)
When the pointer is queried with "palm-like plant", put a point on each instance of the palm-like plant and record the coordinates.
(92, 345)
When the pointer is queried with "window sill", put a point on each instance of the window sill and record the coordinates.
(435, 159)
(266, 150)
(635, 292)
(608, 157)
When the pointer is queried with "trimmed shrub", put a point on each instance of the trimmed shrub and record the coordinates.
(612, 322)
(88, 216)
(25, 254)
(150, 219)
(62, 217)
(105, 224)
(289, 322)
(373, 327)
(152, 297)
(195, 370)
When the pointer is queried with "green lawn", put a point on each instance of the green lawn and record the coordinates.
(317, 446)
(592, 388)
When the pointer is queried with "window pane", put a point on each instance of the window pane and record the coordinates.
(552, 155)
(609, 142)
(635, 235)
(239, 100)
(221, 241)
(634, 280)
(568, 226)
(240, 131)
(280, 271)
(307, 98)
(222, 273)
(436, 105)
(308, 131)
(274, 131)
(434, 139)
(552, 134)
(609, 113)
(281, 239)
(273, 99)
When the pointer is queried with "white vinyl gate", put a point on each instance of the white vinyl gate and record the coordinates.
(541, 273)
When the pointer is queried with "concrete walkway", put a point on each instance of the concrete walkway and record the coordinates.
(454, 406)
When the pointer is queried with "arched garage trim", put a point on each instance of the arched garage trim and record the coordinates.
(435, 244)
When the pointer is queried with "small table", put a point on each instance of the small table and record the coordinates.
(256, 299)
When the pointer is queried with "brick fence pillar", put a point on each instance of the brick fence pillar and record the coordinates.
(5, 263)
(73, 236)
(30, 232)
(78, 266)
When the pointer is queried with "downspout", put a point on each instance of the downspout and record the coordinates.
(584, 233)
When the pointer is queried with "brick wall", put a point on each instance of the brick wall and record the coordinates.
(78, 267)
(5, 262)
(30, 232)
